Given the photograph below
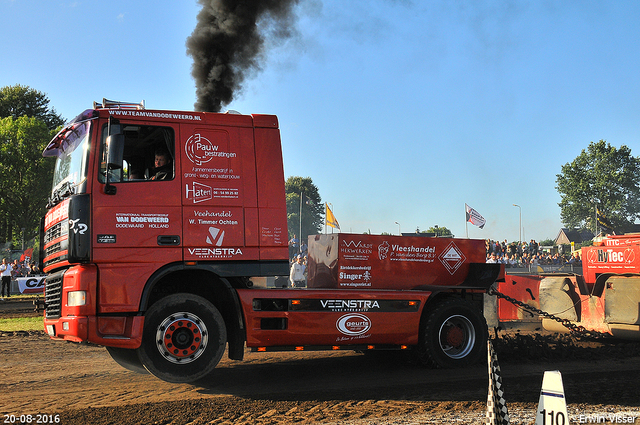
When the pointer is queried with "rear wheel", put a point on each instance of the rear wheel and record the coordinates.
(454, 335)
(184, 338)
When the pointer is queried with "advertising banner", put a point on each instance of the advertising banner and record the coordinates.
(31, 285)
(352, 261)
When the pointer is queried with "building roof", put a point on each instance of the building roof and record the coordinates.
(566, 236)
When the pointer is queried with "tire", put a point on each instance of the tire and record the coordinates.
(183, 339)
(127, 358)
(454, 335)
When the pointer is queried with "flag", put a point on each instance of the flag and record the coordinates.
(474, 217)
(330, 218)
(604, 223)
(497, 412)
(27, 255)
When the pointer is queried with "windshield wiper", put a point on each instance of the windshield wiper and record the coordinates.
(65, 190)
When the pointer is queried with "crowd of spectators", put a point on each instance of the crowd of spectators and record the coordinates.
(297, 263)
(10, 271)
(526, 254)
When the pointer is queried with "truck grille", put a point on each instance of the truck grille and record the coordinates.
(56, 252)
(53, 295)
(53, 232)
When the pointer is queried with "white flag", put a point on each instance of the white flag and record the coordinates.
(474, 217)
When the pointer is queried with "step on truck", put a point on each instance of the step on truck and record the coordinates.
(166, 241)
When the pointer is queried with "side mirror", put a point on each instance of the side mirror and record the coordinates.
(115, 151)
(115, 154)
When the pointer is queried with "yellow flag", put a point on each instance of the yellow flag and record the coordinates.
(330, 218)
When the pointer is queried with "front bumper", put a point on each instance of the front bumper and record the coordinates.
(111, 331)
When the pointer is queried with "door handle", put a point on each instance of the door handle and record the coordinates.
(168, 240)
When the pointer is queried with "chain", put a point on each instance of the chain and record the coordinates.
(576, 330)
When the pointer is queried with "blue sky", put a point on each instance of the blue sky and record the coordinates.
(400, 111)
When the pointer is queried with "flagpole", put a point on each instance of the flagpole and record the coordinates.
(466, 222)
(326, 211)
(300, 228)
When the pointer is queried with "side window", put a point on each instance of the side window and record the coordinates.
(149, 153)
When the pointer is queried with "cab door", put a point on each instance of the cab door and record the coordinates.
(137, 228)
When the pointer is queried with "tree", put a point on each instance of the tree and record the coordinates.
(312, 207)
(27, 123)
(438, 231)
(603, 178)
(547, 242)
(25, 176)
(22, 101)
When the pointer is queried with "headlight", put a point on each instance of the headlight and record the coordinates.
(76, 298)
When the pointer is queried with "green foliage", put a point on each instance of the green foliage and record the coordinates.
(22, 101)
(26, 126)
(603, 177)
(25, 176)
(312, 207)
(586, 243)
(438, 231)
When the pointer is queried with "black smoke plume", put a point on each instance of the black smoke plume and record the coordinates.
(228, 44)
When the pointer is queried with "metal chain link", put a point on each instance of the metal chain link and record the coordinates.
(573, 328)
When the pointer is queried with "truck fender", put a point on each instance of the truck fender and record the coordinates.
(453, 333)
(221, 293)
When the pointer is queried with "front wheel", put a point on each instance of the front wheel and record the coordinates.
(454, 335)
(183, 339)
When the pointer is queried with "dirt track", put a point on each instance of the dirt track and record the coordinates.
(83, 385)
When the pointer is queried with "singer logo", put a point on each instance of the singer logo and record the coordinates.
(216, 236)
(199, 192)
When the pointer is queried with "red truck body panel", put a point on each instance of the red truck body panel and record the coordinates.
(332, 318)
(523, 288)
(617, 254)
(369, 262)
(361, 289)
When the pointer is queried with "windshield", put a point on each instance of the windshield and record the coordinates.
(70, 147)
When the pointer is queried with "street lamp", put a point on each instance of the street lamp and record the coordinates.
(520, 227)
(399, 231)
(300, 216)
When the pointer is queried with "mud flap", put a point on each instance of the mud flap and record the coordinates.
(483, 275)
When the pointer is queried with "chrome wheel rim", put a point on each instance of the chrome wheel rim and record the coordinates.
(181, 338)
(457, 337)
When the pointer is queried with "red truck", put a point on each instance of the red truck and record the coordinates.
(166, 241)
(604, 298)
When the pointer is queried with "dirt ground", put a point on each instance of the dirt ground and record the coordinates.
(80, 384)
